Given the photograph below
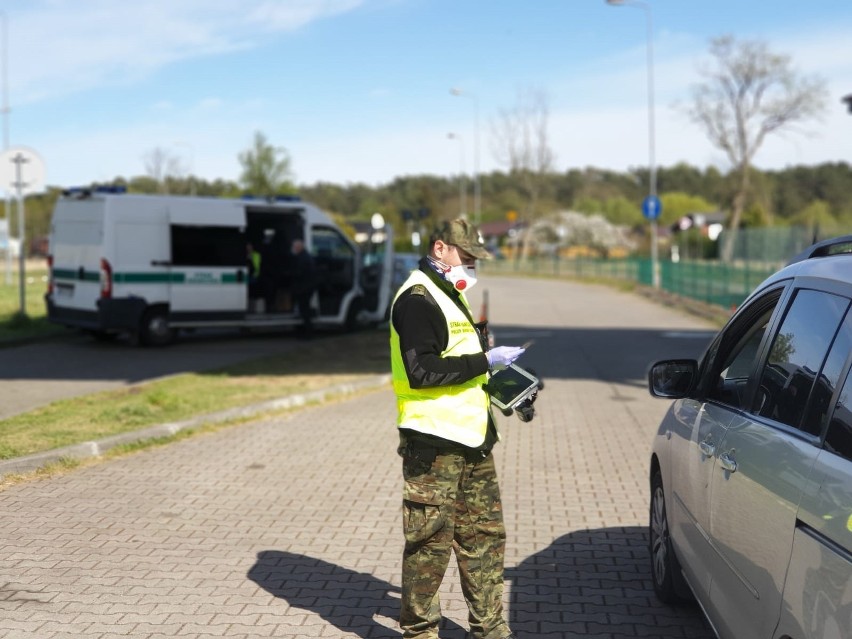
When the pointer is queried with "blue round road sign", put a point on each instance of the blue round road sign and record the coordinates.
(652, 207)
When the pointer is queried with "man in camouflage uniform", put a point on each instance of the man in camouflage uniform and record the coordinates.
(451, 498)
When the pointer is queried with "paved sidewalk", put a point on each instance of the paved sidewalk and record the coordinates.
(289, 527)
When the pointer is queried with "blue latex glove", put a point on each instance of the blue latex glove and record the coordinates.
(503, 355)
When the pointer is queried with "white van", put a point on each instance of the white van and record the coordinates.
(149, 265)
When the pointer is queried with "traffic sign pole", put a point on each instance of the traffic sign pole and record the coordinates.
(19, 159)
(651, 209)
(21, 171)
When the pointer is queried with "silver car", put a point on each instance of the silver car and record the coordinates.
(751, 468)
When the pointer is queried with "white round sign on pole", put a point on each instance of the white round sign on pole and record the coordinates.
(21, 171)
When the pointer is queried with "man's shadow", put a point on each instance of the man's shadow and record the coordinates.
(347, 599)
(587, 582)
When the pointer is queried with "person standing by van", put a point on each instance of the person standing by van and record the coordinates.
(451, 498)
(303, 284)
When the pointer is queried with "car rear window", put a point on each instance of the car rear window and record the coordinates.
(796, 359)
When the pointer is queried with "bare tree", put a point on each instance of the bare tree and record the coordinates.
(750, 92)
(160, 165)
(521, 142)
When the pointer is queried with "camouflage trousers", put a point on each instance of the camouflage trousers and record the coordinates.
(451, 503)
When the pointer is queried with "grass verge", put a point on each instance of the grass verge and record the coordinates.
(312, 366)
(13, 325)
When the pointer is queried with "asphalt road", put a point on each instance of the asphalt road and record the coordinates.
(33, 375)
(289, 526)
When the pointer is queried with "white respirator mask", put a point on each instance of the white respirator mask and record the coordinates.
(462, 277)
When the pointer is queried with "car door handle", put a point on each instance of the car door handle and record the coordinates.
(727, 462)
(707, 448)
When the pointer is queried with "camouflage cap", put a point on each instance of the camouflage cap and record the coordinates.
(465, 236)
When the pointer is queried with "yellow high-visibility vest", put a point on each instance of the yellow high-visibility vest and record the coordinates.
(459, 412)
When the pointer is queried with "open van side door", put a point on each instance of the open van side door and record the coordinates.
(377, 273)
(209, 266)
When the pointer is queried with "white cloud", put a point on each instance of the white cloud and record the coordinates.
(286, 16)
(63, 46)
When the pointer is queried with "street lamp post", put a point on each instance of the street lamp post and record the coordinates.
(462, 195)
(4, 78)
(477, 193)
(652, 177)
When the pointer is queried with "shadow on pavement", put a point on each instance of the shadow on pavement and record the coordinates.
(586, 583)
(619, 355)
(347, 599)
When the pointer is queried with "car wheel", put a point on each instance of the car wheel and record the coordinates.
(669, 584)
(155, 328)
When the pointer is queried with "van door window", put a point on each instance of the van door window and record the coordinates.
(208, 245)
(796, 358)
(334, 261)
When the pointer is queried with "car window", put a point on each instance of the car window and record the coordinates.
(796, 357)
(828, 379)
(838, 439)
(738, 362)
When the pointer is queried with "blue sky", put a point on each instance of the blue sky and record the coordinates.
(359, 90)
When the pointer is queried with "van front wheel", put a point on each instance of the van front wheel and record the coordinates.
(352, 320)
(155, 329)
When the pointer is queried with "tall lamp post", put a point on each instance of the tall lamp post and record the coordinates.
(462, 203)
(651, 207)
(4, 78)
(477, 193)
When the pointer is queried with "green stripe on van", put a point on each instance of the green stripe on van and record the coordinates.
(77, 276)
(148, 278)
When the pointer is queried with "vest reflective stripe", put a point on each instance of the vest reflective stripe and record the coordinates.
(458, 413)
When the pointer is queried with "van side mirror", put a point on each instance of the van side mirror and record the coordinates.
(672, 378)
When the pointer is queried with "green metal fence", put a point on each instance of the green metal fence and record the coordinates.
(757, 253)
(709, 281)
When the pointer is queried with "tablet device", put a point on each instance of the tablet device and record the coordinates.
(511, 385)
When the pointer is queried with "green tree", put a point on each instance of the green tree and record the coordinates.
(621, 211)
(266, 169)
(816, 215)
(750, 93)
(677, 204)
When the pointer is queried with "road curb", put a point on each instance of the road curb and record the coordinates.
(87, 450)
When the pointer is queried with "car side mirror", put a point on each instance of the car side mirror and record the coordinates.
(672, 378)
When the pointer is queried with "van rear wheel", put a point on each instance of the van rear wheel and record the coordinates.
(155, 329)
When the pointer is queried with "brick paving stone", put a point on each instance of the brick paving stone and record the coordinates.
(289, 526)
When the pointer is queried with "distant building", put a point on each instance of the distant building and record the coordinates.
(710, 224)
(848, 100)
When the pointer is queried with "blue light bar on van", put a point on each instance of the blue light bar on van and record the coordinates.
(78, 191)
(276, 198)
(86, 191)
